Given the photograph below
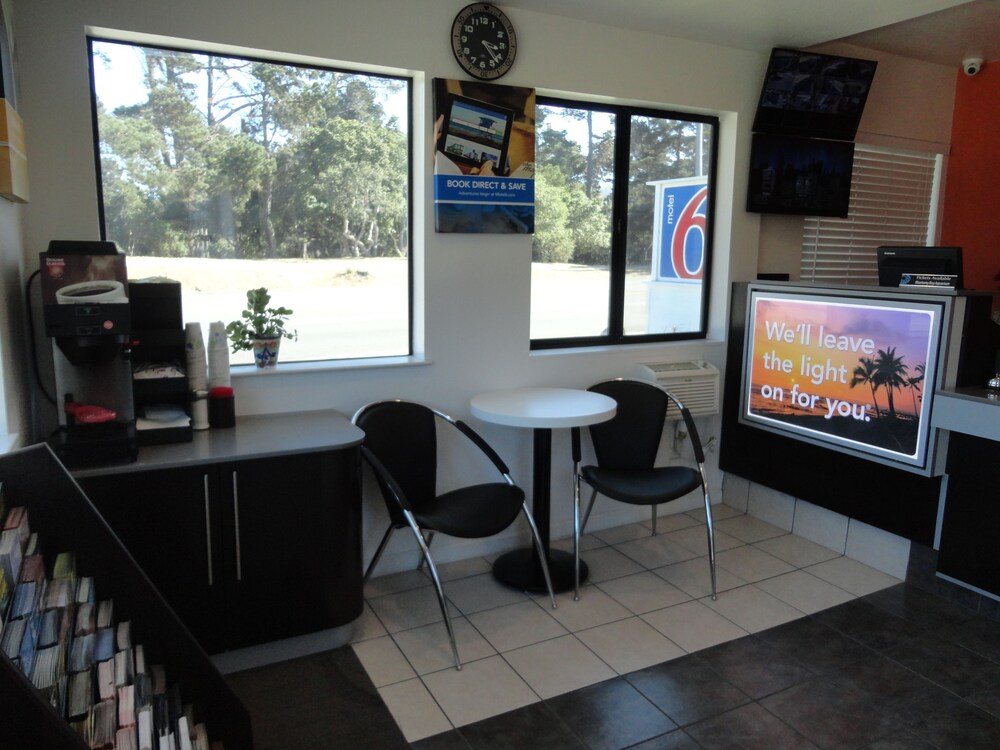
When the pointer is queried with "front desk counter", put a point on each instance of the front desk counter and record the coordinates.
(969, 553)
(251, 533)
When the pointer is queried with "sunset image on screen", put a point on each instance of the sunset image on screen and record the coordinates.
(849, 371)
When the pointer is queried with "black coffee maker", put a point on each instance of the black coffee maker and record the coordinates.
(87, 315)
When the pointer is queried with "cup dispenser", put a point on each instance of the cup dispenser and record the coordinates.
(86, 312)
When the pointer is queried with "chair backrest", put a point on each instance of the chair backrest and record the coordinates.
(403, 436)
(630, 439)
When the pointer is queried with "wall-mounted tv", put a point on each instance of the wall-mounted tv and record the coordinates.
(847, 369)
(808, 176)
(814, 95)
(920, 266)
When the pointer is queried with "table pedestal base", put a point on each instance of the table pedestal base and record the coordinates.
(520, 569)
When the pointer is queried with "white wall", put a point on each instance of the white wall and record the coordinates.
(474, 336)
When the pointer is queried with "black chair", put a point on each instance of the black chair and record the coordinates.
(401, 447)
(625, 447)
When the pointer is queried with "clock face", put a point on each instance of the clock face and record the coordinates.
(483, 41)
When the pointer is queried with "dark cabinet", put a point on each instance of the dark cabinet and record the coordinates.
(245, 551)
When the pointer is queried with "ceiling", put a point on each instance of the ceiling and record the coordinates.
(939, 31)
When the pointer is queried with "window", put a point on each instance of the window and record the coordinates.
(229, 173)
(892, 203)
(623, 224)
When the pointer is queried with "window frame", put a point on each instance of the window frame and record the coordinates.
(277, 59)
(616, 335)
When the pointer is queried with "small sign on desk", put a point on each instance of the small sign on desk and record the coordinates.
(929, 279)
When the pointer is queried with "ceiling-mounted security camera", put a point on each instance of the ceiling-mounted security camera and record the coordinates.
(972, 65)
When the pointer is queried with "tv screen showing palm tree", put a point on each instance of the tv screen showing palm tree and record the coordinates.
(845, 369)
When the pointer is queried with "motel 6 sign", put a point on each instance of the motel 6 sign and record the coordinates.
(679, 232)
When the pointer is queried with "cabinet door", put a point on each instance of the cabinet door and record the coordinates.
(294, 550)
(170, 524)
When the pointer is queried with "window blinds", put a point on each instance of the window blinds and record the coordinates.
(891, 196)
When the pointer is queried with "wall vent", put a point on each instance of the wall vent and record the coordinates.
(695, 383)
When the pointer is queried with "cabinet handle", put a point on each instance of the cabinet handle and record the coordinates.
(236, 519)
(208, 530)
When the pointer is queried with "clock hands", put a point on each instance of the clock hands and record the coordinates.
(491, 49)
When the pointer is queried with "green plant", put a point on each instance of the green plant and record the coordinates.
(258, 321)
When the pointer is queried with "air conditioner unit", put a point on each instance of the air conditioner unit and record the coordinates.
(694, 383)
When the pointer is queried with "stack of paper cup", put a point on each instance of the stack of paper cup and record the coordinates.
(218, 356)
(197, 375)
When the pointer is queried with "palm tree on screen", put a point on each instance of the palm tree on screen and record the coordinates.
(865, 373)
(890, 373)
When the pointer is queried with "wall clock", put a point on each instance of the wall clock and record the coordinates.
(483, 40)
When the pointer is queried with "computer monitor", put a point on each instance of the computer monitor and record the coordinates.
(920, 266)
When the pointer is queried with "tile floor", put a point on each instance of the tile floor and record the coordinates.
(645, 606)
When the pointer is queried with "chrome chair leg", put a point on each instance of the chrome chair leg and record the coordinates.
(378, 553)
(590, 507)
(541, 553)
(711, 533)
(429, 539)
(437, 587)
(576, 536)
(654, 520)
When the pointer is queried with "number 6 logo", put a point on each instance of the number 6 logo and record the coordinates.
(687, 251)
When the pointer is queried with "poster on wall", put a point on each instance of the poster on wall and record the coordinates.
(484, 157)
(846, 372)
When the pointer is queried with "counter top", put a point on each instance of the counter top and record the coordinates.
(261, 436)
(972, 411)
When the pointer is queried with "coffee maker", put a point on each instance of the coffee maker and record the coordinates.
(87, 316)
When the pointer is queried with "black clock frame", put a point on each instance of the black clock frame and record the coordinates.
(470, 62)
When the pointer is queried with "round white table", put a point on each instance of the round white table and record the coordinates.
(542, 410)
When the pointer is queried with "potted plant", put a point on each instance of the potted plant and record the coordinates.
(260, 328)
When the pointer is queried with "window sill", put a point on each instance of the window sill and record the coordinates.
(296, 368)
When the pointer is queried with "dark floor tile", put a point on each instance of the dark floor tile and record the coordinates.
(886, 683)
(676, 740)
(314, 703)
(947, 664)
(980, 635)
(829, 715)
(959, 725)
(819, 647)
(535, 725)
(452, 740)
(987, 699)
(610, 715)
(923, 608)
(869, 625)
(755, 667)
(687, 689)
(748, 726)
(900, 741)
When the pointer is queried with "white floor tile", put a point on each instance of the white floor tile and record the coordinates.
(751, 564)
(695, 538)
(407, 609)
(693, 626)
(655, 551)
(719, 511)
(516, 625)
(395, 582)
(606, 563)
(643, 592)
(415, 711)
(853, 576)
(428, 649)
(672, 522)
(694, 577)
(477, 593)
(594, 608)
(748, 528)
(383, 661)
(558, 666)
(620, 534)
(753, 609)
(463, 568)
(483, 688)
(805, 592)
(795, 550)
(628, 645)
(367, 626)
(587, 542)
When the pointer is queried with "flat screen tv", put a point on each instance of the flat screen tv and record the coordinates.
(812, 94)
(846, 369)
(807, 176)
(920, 266)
